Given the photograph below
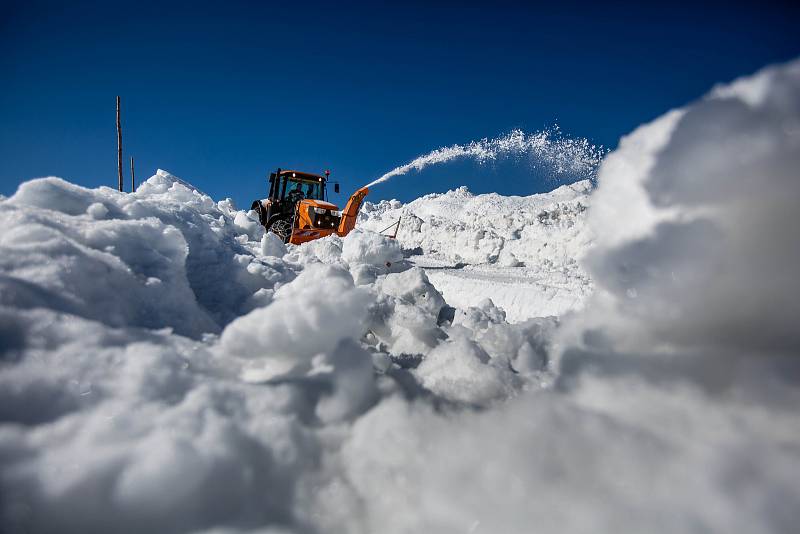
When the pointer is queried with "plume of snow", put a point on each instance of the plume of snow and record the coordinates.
(575, 157)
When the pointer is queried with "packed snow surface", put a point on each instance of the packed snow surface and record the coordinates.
(166, 366)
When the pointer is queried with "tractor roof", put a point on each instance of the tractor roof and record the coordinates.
(303, 175)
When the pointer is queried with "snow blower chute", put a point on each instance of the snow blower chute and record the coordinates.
(297, 209)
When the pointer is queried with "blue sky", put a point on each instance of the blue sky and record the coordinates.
(220, 93)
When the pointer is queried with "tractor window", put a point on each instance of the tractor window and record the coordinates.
(294, 189)
(310, 189)
(313, 190)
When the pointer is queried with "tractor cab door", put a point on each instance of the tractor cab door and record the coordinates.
(283, 193)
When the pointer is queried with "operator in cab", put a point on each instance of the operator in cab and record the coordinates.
(296, 194)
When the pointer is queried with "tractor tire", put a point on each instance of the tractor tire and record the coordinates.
(281, 226)
(262, 213)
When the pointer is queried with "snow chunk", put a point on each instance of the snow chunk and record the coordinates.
(508, 259)
(248, 223)
(413, 286)
(97, 210)
(326, 250)
(460, 370)
(320, 308)
(272, 245)
(371, 248)
(350, 373)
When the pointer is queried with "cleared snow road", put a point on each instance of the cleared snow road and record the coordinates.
(520, 291)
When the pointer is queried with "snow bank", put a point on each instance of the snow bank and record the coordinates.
(522, 252)
(164, 256)
(539, 230)
(87, 256)
(703, 267)
(166, 366)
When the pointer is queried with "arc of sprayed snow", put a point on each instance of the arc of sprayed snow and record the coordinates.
(562, 154)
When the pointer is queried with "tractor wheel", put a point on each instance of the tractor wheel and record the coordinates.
(281, 226)
(259, 208)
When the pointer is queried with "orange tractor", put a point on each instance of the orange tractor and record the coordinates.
(297, 209)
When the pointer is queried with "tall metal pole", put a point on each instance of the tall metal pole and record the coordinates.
(133, 178)
(119, 148)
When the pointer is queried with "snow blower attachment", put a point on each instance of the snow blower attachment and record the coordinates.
(297, 211)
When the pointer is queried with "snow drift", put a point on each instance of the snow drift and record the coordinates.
(705, 265)
(165, 366)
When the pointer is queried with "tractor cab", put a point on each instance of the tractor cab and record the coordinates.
(297, 210)
(295, 186)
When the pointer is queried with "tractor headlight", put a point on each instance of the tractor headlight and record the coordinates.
(319, 211)
(336, 213)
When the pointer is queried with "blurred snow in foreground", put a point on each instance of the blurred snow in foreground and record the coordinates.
(166, 367)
